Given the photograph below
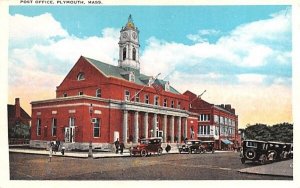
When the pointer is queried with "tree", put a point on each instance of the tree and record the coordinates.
(282, 132)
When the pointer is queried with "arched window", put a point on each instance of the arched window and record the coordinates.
(98, 93)
(134, 54)
(80, 76)
(124, 53)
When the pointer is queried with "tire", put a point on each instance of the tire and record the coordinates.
(243, 160)
(190, 151)
(263, 159)
(180, 150)
(159, 151)
(250, 154)
(143, 153)
(130, 153)
(213, 151)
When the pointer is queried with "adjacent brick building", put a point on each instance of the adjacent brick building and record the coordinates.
(18, 122)
(217, 123)
(99, 103)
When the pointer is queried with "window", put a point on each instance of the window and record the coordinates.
(251, 144)
(167, 86)
(127, 95)
(216, 118)
(147, 99)
(156, 100)
(137, 97)
(38, 127)
(96, 132)
(80, 93)
(54, 126)
(222, 120)
(98, 93)
(134, 54)
(65, 94)
(165, 102)
(131, 77)
(204, 117)
(80, 76)
(172, 104)
(71, 122)
(178, 104)
(124, 53)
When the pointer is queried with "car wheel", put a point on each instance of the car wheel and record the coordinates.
(213, 151)
(243, 160)
(159, 151)
(143, 153)
(250, 154)
(263, 159)
(190, 151)
(180, 150)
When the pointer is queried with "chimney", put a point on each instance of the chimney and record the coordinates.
(228, 107)
(17, 108)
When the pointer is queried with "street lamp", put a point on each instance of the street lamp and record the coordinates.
(90, 154)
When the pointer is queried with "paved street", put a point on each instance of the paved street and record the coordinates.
(218, 166)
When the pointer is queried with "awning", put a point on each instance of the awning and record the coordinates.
(225, 141)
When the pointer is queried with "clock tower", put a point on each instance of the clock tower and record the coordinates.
(129, 47)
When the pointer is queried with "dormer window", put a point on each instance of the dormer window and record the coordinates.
(131, 77)
(80, 76)
(167, 86)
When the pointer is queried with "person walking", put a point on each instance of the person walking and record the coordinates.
(117, 144)
(121, 148)
(50, 151)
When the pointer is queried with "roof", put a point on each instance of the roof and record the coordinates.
(118, 72)
(11, 112)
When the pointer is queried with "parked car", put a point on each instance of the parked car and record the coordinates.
(255, 151)
(208, 146)
(191, 146)
(147, 146)
(281, 150)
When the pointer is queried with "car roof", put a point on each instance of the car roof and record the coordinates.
(255, 141)
(152, 138)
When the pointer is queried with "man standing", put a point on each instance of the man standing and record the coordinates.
(117, 145)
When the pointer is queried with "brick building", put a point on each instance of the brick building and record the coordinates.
(217, 123)
(18, 122)
(99, 103)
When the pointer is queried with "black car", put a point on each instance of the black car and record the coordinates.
(280, 150)
(208, 146)
(255, 151)
(191, 146)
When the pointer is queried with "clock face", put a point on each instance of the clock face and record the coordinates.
(124, 35)
(134, 35)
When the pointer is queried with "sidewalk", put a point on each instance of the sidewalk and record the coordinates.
(83, 154)
(282, 168)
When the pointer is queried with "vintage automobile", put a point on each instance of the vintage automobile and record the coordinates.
(255, 151)
(191, 146)
(208, 146)
(147, 146)
(280, 150)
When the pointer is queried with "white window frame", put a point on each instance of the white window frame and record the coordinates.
(80, 76)
(98, 121)
(127, 95)
(156, 100)
(98, 93)
(38, 127)
(146, 99)
(54, 127)
(165, 102)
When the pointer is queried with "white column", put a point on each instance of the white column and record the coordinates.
(165, 129)
(136, 127)
(172, 129)
(125, 126)
(185, 128)
(154, 124)
(179, 129)
(146, 125)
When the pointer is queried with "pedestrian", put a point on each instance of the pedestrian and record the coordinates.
(63, 150)
(121, 148)
(50, 151)
(117, 144)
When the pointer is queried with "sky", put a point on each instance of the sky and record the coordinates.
(241, 55)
